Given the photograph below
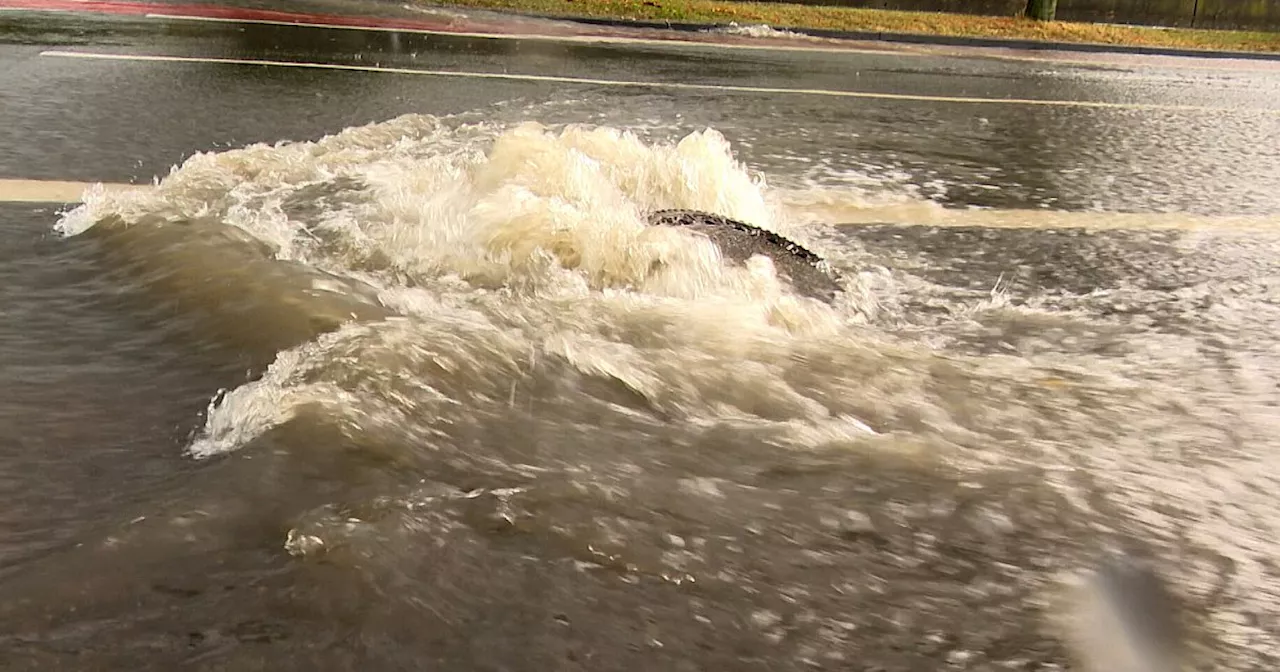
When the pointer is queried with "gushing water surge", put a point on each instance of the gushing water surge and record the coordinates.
(495, 419)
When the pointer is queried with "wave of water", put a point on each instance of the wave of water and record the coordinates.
(535, 236)
(481, 311)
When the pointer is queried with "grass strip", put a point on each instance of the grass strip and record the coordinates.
(785, 15)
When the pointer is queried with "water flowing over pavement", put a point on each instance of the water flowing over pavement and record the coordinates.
(390, 371)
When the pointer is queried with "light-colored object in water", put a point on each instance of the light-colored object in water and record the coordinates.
(1125, 619)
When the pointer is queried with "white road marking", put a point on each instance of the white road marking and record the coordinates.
(903, 49)
(684, 86)
(584, 39)
(906, 49)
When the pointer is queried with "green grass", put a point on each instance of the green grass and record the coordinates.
(781, 15)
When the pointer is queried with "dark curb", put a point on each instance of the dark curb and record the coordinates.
(920, 38)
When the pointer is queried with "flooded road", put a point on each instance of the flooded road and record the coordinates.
(413, 383)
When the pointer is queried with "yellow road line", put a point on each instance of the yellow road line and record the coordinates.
(910, 214)
(49, 191)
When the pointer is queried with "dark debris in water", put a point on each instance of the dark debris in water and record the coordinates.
(738, 241)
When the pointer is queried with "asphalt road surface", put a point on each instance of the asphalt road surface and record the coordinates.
(389, 371)
(1183, 134)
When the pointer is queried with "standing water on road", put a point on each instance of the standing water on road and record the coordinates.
(448, 402)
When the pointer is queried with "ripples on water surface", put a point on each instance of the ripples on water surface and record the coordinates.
(474, 414)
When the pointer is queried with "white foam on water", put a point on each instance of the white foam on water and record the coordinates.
(539, 233)
(472, 200)
(536, 233)
(760, 30)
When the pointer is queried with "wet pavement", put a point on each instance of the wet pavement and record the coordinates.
(390, 371)
(132, 120)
